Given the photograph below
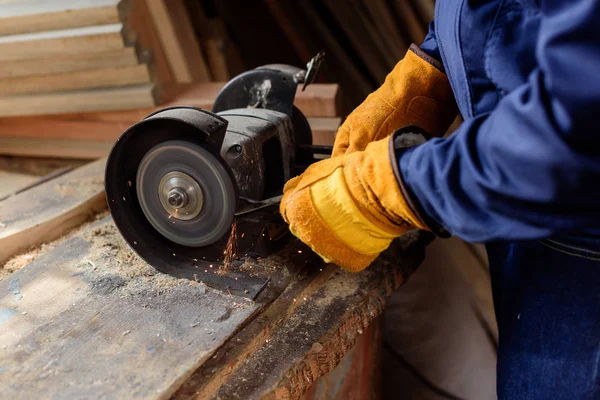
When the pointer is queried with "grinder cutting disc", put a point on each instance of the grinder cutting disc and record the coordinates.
(173, 198)
(186, 193)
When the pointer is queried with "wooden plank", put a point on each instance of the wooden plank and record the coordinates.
(74, 80)
(91, 140)
(179, 41)
(213, 37)
(338, 58)
(285, 19)
(306, 332)
(390, 37)
(318, 100)
(68, 41)
(10, 182)
(410, 21)
(358, 375)
(352, 25)
(89, 319)
(19, 8)
(324, 130)
(54, 148)
(425, 9)
(39, 16)
(47, 211)
(140, 21)
(124, 98)
(58, 64)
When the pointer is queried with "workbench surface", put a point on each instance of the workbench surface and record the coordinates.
(86, 318)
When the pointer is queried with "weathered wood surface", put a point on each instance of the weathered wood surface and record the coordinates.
(13, 181)
(359, 373)
(89, 320)
(306, 332)
(47, 211)
(75, 325)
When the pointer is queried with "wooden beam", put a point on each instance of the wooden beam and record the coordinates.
(140, 22)
(74, 80)
(105, 99)
(46, 212)
(307, 331)
(179, 41)
(111, 326)
(64, 63)
(79, 40)
(13, 181)
(40, 16)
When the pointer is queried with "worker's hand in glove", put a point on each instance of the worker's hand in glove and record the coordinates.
(416, 92)
(349, 208)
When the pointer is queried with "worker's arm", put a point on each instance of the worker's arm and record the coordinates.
(531, 168)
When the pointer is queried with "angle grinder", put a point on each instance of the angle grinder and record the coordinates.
(191, 189)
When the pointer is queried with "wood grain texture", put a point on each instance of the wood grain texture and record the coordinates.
(139, 21)
(358, 375)
(44, 213)
(410, 21)
(305, 333)
(74, 80)
(106, 99)
(178, 40)
(88, 150)
(358, 34)
(46, 15)
(10, 182)
(69, 331)
(68, 41)
(59, 64)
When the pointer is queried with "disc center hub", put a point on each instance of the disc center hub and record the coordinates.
(180, 195)
(177, 198)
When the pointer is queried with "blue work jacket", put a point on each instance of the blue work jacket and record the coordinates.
(525, 164)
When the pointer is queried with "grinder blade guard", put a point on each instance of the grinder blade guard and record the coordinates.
(187, 187)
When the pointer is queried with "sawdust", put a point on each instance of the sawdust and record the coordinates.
(82, 186)
(21, 260)
(113, 265)
(37, 166)
(18, 262)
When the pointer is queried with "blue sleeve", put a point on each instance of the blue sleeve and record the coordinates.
(430, 45)
(531, 168)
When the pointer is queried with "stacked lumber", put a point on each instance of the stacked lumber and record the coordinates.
(91, 135)
(70, 56)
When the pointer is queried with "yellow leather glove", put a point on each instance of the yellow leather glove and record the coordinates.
(348, 209)
(416, 92)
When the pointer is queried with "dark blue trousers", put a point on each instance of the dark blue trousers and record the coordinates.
(547, 301)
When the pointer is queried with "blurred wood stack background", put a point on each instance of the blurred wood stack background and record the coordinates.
(75, 74)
